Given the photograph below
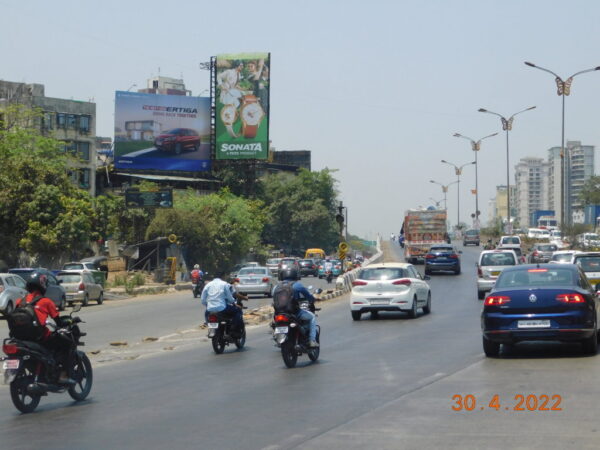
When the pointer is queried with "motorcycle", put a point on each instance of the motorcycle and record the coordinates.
(197, 287)
(329, 276)
(31, 370)
(220, 329)
(291, 336)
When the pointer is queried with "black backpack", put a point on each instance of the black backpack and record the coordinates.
(283, 299)
(23, 322)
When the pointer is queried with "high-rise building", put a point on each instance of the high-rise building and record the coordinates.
(579, 167)
(531, 188)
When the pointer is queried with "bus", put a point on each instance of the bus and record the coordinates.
(314, 253)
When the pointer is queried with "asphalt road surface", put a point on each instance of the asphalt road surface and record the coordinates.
(379, 383)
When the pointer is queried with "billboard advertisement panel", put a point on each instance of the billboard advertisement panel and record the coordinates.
(242, 104)
(162, 132)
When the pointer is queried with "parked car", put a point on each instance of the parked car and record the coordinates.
(255, 280)
(308, 267)
(540, 302)
(389, 287)
(12, 288)
(80, 286)
(563, 256)
(590, 264)
(542, 253)
(177, 140)
(99, 275)
(273, 265)
(471, 237)
(54, 291)
(490, 265)
(288, 263)
(442, 257)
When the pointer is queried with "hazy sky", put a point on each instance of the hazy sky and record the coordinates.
(375, 89)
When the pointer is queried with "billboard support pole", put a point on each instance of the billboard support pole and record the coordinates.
(213, 107)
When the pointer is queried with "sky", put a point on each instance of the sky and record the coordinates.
(375, 89)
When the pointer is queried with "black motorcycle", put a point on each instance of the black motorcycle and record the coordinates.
(329, 276)
(197, 288)
(291, 336)
(32, 370)
(221, 333)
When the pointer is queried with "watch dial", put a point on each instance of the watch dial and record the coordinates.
(252, 114)
(228, 114)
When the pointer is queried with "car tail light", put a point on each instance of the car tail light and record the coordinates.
(429, 256)
(570, 298)
(212, 318)
(82, 286)
(281, 318)
(236, 280)
(10, 349)
(320, 267)
(359, 283)
(535, 253)
(479, 272)
(1, 288)
(265, 280)
(537, 270)
(403, 282)
(496, 300)
(453, 256)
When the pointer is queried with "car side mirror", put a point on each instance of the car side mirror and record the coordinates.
(460, 251)
(426, 277)
(318, 291)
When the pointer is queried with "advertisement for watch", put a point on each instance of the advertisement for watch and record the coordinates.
(242, 103)
(162, 132)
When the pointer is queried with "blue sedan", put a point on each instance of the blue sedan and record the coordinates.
(542, 302)
(442, 257)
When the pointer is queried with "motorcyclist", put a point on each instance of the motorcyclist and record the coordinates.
(217, 297)
(196, 274)
(44, 308)
(290, 276)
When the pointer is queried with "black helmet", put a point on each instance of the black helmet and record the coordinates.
(289, 274)
(38, 281)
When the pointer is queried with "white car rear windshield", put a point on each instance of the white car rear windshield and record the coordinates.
(589, 263)
(563, 257)
(383, 273)
(74, 278)
(498, 259)
(511, 240)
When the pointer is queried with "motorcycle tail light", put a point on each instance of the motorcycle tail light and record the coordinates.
(281, 318)
(212, 318)
(10, 349)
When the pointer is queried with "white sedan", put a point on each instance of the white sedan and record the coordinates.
(390, 287)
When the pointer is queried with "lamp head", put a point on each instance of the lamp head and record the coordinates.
(482, 110)
(530, 64)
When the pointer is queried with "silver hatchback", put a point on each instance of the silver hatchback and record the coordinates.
(12, 288)
(80, 286)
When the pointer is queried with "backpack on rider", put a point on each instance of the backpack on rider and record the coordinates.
(23, 322)
(283, 298)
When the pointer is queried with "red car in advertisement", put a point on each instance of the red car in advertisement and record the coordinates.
(177, 140)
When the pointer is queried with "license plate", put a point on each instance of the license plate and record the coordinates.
(213, 325)
(11, 364)
(495, 273)
(533, 324)
(281, 330)
(379, 301)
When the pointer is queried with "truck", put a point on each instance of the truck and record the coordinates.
(422, 229)
(539, 213)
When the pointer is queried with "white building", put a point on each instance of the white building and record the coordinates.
(532, 188)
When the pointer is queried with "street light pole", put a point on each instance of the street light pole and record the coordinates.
(563, 89)
(458, 171)
(475, 146)
(507, 126)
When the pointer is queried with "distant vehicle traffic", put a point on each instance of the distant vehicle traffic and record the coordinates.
(80, 286)
(54, 291)
(273, 265)
(540, 302)
(255, 280)
(563, 256)
(308, 267)
(314, 253)
(471, 237)
(389, 287)
(490, 265)
(442, 257)
(421, 230)
(542, 253)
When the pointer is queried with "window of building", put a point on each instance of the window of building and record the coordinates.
(84, 178)
(84, 124)
(83, 150)
(61, 120)
(71, 121)
(48, 121)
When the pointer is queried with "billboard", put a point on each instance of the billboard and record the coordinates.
(242, 106)
(161, 132)
(160, 198)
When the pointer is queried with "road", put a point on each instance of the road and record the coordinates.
(384, 383)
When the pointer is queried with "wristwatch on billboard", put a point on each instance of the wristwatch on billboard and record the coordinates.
(229, 116)
(252, 114)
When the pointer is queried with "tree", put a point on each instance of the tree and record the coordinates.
(590, 191)
(300, 210)
(216, 230)
(41, 211)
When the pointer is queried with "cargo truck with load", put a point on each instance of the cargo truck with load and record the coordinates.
(422, 229)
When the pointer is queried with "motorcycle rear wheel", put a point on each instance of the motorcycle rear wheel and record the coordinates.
(289, 354)
(83, 375)
(313, 353)
(19, 394)
(241, 341)
(218, 342)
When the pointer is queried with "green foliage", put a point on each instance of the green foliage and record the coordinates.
(590, 192)
(41, 211)
(300, 210)
(216, 230)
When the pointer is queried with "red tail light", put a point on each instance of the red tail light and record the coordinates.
(82, 286)
(570, 298)
(1, 289)
(10, 349)
(479, 272)
(403, 282)
(236, 280)
(453, 256)
(265, 280)
(359, 283)
(429, 256)
(535, 253)
(212, 318)
(496, 300)
(281, 318)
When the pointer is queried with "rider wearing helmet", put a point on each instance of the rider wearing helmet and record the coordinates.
(196, 274)
(291, 275)
(44, 308)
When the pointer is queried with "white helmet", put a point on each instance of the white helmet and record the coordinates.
(196, 266)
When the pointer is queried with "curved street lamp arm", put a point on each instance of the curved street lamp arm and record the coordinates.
(491, 135)
(541, 68)
(526, 109)
(585, 71)
(483, 110)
